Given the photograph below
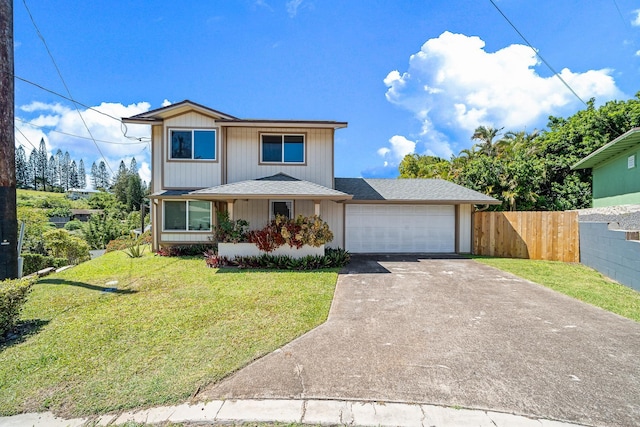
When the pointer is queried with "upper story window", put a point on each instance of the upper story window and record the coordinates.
(282, 148)
(196, 144)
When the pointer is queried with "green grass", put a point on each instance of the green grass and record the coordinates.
(575, 280)
(173, 326)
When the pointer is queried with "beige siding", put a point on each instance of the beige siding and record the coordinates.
(333, 214)
(166, 237)
(156, 161)
(243, 155)
(254, 211)
(190, 174)
(464, 229)
(191, 119)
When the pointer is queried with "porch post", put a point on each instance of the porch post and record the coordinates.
(230, 204)
(316, 205)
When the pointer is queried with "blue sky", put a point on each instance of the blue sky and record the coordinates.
(408, 76)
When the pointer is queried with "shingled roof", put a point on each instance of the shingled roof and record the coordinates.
(275, 186)
(411, 190)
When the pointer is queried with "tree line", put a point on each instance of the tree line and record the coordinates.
(60, 173)
(532, 170)
(55, 173)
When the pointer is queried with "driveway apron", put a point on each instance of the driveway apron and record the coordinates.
(455, 332)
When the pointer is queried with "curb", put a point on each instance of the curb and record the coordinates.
(311, 411)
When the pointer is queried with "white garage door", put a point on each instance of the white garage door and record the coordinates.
(399, 228)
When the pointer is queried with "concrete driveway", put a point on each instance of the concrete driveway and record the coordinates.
(455, 332)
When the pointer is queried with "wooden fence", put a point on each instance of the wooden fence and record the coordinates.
(533, 235)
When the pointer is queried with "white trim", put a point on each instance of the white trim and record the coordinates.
(186, 230)
(193, 141)
(282, 135)
(289, 205)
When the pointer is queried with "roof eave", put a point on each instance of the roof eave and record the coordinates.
(598, 156)
(427, 202)
(284, 123)
(239, 196)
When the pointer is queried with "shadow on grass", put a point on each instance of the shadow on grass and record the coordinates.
(87, 286)
(22, 331)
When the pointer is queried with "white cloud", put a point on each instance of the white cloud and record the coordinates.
(453, 85)
(166, 102)
(145, 172)
(41, 106)
(399, 147)
(61, 122)
(638, 53)
(292, 7)
(636, 19)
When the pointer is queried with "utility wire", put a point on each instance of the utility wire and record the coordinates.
(122, 124)
(78, 136)
(25, 137)
(537, 53)
(65, 85)
(626, 24)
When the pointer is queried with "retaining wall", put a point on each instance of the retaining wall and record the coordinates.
(609, 252)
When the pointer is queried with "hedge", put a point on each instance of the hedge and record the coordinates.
(13, 295)
(36, 262)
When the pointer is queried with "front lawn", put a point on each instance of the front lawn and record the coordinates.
(575, 280)
(171, 326)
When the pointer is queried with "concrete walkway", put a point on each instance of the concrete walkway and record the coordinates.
(325, 412)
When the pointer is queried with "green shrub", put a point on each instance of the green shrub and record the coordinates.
(60, 244)
(13, 295)
(333, 258)
(184, 250)
(36, 262)
(73, 225)
(230, 231)
(135, 249)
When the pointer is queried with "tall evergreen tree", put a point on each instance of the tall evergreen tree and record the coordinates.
(73, 175)
(94, 175)
(52, 172)
(103, 175)
(32, 169)
(133, 166)
(66, 171)
(59, 159)
(42, 164)
(21, 168)
(82, 175)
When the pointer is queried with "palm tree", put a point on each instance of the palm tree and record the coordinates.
(519, 142)
(486, 135)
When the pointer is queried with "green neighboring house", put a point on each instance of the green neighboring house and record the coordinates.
(616, 175)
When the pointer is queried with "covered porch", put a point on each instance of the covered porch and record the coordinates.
(256, 201)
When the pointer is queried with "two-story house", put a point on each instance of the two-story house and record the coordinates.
(205, 161)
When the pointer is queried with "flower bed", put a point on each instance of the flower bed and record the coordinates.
(232, 250)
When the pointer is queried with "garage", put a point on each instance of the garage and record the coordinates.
(397, 228)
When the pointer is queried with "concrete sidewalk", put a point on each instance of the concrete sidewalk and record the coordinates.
(325, 412)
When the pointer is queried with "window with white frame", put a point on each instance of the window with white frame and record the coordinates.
(281, 207)
(192, 144)
(189, 215)
(282, 148)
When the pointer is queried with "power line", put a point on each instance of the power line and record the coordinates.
(538, 53)
(122, 124)
(65, 84)
(626, 24)
(25, 137)
(78, 136)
